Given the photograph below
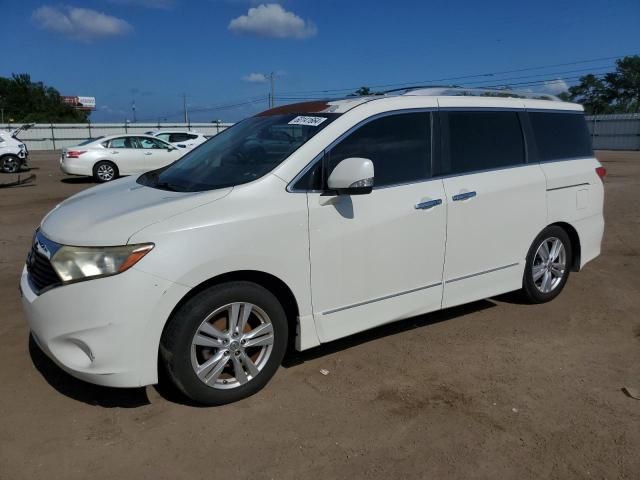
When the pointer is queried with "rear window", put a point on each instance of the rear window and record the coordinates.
(560, 135)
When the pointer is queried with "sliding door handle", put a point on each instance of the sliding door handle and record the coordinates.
(463, 196)
(426, 205)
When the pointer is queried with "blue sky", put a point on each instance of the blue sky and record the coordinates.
(216, 51)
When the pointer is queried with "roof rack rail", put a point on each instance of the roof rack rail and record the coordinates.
(454, 90)
(418, 87)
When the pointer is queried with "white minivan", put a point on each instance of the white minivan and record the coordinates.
(368, 211)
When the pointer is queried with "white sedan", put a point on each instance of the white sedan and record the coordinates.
(179, 138)
(108, 158)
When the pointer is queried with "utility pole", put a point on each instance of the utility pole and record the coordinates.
(184, 105)
(133, 108)
(272, 102)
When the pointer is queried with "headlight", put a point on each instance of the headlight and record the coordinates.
(80, 263)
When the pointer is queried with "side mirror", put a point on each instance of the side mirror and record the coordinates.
(352, 176)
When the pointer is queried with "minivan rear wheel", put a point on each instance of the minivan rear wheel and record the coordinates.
(548, 265)
(225, 343)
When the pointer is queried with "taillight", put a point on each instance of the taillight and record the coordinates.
(75, 153)
(601, 172)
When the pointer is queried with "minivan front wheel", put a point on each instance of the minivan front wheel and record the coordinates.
(548, 265)
(225, 343)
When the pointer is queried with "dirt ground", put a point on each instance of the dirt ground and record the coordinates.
(495, 389)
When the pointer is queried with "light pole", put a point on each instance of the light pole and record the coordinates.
(272, 99)
(186, 111)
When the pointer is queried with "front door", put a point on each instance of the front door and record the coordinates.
(378, 257)
(155, 153)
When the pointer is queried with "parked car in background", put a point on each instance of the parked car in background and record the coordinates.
(13, 152)
(380, 208)
(108, 158)
(178, 138)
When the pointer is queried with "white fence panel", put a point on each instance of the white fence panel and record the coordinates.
(56, 136)
(615, 132)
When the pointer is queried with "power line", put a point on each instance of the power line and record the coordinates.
(213, 108)
(461, 77)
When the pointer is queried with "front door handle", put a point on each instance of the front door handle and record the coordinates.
(463, 196)
(148, 153)
(115, 152)
(427, 204)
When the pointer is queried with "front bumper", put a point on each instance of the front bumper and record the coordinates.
(104, 331)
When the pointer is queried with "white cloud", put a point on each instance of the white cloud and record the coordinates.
(80, 23)
(271, 20)
(556, 86)
(255, 78)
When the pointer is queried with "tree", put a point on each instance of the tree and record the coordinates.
(623, 85)
(26, 101)
(617, 92)
(362, 91)
(591, 92)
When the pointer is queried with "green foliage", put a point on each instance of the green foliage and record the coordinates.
(617, 92)
(362, 91)
(25, 101)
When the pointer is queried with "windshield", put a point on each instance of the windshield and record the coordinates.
(240, 154)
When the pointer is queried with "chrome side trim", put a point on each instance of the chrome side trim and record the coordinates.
(481, 273)
(568, 186)
(386, 297)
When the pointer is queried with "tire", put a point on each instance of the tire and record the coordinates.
(544, 279)
(213, 363)
(105, 171)
(10, 164)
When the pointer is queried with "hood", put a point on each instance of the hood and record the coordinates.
(110, 214)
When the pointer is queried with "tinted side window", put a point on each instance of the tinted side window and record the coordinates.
(480, 141)
(179, 137)
(398, 145)
(560, 135)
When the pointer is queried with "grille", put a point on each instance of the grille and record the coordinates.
(41, 273)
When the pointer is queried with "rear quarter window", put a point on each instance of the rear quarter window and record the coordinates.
(560, 135)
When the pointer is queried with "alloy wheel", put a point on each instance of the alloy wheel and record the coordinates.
(549, 265)
(105, 172)
(232, 345)
(10, 165)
